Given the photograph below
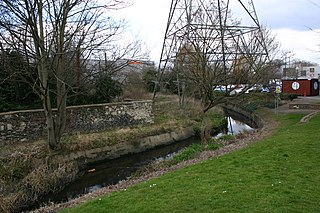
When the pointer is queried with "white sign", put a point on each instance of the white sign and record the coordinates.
(315, 85)
(295, 85)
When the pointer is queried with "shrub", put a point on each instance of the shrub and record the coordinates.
(15, 169)
(215, 118)
(197, 128)
(293, 96)
(287, 96)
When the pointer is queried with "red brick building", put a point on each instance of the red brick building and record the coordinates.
(302, 87)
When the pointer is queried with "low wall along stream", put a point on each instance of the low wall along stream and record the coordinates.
(24, 126)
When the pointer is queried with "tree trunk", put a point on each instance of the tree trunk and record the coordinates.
(51, 135)
(60, 123)
(43, 73)
(53, 143)
(52, 140)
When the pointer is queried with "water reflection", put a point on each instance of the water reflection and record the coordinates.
(236, 127)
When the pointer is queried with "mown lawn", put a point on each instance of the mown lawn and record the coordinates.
(279, 174)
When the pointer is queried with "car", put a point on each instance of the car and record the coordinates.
(236, 91)
(220, 89)
(265, 90)
(252, 89)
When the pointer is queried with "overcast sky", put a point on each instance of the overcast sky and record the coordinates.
(289, 20)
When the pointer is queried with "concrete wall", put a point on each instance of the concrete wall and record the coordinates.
(245, 116)
(124, 148)
(29, 125)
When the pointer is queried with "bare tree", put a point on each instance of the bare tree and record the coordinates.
(210, 50)
(248, 65)
(54, 36)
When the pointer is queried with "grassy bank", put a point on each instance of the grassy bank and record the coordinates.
(26, 171)
(278, 174)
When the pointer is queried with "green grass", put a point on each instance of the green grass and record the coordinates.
(278, 174)
(188, 153)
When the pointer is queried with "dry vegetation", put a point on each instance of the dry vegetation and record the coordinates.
(26, 173)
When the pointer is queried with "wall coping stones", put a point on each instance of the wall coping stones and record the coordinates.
(75, 107)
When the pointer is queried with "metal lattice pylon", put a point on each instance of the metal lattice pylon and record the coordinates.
(208, 26)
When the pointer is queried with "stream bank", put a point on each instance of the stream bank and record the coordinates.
(163, 139)
(50, 169)
(129, 147)
(239, 142)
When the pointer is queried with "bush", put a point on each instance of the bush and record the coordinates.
(15, 169)
(197, 128)
(287, 96)
(104, 90)
(149, 77)
(216, 118)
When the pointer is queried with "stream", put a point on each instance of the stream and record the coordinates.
(110, 172)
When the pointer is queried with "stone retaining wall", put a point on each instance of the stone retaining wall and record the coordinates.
(30, 125)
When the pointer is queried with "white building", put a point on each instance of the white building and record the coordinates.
(299, 71)
(309, 72)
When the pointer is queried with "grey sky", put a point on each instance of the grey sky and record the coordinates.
(290, 20)
(293, 14)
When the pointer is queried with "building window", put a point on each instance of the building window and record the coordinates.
(303, 73)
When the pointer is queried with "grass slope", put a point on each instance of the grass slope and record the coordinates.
(278, 174)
